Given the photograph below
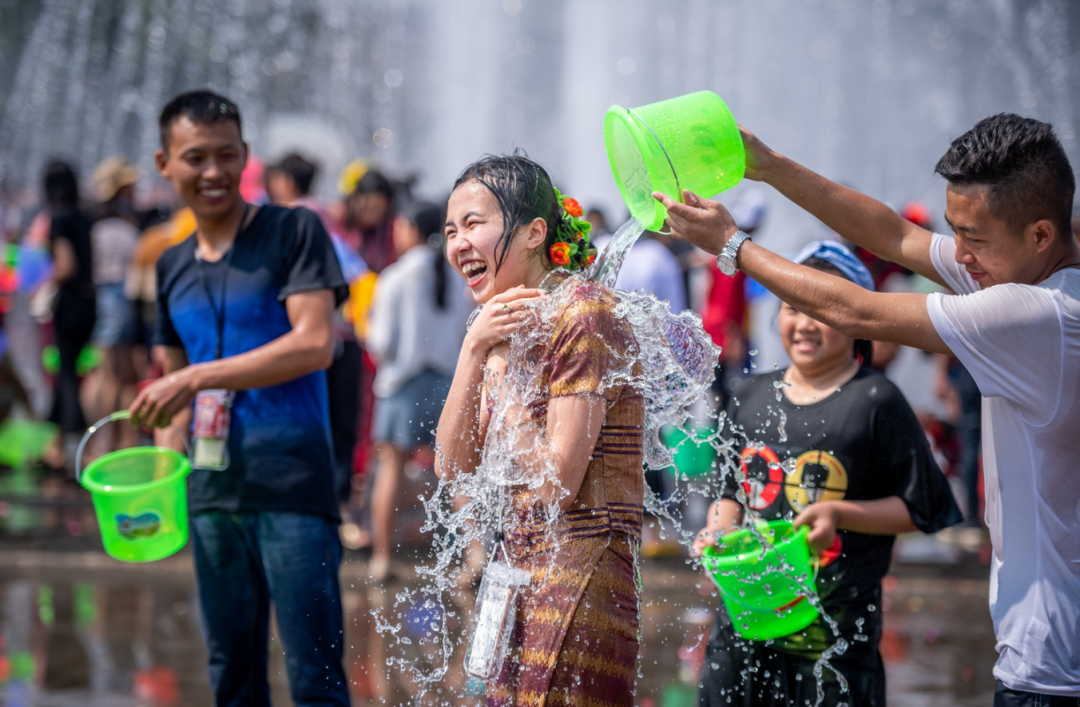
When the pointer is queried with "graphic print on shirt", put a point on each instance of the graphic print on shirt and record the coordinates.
(761, 488)
(817, 476)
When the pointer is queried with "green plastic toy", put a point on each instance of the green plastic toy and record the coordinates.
(89, 359)
(690, 142)
(693, 456)
(22, 442)
(764, 587)
(140, 498)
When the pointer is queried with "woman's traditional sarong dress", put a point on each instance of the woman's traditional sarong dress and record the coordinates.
(576, 640)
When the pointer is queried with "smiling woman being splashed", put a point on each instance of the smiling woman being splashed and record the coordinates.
(573, 517)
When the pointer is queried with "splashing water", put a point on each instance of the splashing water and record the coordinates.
(669, 359)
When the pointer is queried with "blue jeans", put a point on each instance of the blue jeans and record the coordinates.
(243, 562)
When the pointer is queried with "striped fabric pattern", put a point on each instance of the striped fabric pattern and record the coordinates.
(575, 640)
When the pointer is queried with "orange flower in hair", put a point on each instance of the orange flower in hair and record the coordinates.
(560, 254)
(572, 207)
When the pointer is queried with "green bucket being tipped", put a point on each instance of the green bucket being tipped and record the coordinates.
(690, 142)
(140, 498)
(764, 587)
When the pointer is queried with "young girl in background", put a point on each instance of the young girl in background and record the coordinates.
(416, 326)
(851, 462)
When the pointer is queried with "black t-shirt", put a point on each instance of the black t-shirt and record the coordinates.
(73, 226)
(279, 440)
(861, 443)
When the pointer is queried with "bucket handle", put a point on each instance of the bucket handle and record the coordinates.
(678, 186)
(118, 415)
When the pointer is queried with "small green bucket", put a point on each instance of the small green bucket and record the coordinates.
(690, 142)
(694, 456)
(22, 442)
(764, 587)
(140, 498)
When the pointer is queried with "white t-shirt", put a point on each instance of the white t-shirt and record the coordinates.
(1021, 344)
(407, 333)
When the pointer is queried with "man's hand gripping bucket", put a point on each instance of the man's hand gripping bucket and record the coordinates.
(140, 497)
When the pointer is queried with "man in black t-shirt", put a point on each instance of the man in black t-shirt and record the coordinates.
(245, 315)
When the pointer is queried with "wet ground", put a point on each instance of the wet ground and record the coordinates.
(78, 628)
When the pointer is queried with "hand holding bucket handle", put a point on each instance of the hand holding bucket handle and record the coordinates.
(118, 415)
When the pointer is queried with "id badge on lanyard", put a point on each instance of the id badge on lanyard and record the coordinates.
(213, 408)
(211, 434)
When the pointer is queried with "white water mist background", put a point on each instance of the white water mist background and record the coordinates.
(868, 92)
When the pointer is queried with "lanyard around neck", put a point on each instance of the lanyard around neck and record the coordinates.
(219, 314)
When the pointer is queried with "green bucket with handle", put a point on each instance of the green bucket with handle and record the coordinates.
(689, 142)
(140, 497)
(764, 586)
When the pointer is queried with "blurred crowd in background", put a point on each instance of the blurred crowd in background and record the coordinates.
(77, 311)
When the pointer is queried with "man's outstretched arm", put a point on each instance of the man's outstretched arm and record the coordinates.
(856, 217)
(901, 318)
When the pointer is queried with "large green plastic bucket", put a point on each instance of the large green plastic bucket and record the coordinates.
(764, 587)
(140, 498)
(690, 142)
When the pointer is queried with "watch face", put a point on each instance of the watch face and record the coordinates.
(726, 265)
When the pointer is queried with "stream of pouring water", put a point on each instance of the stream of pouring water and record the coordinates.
(670, 361)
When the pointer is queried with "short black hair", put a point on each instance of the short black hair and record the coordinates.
(301, 170)
(1023, 165)
(61, 186)
(374, 183)
(204, 107)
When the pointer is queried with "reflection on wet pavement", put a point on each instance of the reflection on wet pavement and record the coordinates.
(77, 628)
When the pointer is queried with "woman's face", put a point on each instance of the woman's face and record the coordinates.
(474, 225)
(370, 209)
(813, 347)
(406, 235)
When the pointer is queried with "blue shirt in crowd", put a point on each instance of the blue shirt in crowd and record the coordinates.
(279, 442)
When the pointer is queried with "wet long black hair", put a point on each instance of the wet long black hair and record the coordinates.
(864, 348)
(523, 191)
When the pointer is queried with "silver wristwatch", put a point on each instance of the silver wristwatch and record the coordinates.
(726, 259)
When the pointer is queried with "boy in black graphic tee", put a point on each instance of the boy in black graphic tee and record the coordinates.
(835, 446)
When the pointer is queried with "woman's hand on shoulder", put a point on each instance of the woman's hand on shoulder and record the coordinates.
(499, 319)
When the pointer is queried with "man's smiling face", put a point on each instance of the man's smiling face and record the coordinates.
(204, 162)
(985, 246)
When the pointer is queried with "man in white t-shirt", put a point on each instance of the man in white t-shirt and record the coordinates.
(1014, 323)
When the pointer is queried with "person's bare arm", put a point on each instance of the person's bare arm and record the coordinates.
(308, 347)
(899, 317)
(64, 265)
(459, 438)
(856, 217)
(173, 359)
(883, 516)
(573, 426)
(724, 515)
